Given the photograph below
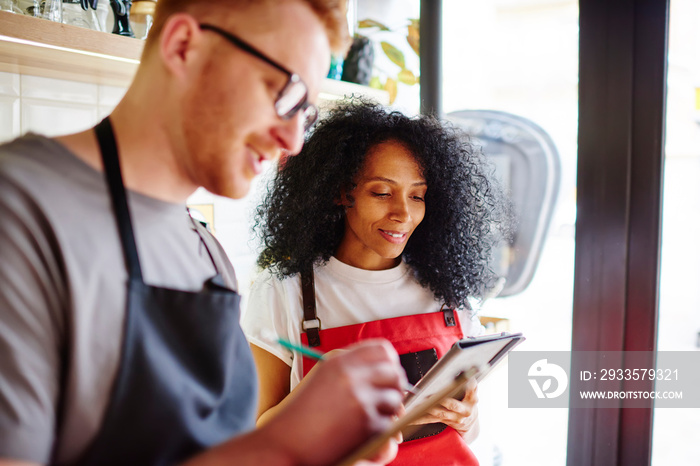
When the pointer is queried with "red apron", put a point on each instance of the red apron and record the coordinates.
(408, 334)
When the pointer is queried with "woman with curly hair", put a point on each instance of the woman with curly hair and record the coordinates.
(382, 227)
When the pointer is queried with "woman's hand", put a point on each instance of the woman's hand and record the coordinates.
(462, 415)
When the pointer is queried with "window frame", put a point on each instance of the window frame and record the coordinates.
(622, 98)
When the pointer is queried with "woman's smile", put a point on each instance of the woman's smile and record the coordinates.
(383, 209)
(393, 236)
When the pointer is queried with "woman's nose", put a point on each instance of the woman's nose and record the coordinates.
(400, 211)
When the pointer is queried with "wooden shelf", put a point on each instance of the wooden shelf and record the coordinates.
(40, 47)
(45, 48)
(332, 89)
(495, 324)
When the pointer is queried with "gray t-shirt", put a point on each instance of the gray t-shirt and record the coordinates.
(63, 292)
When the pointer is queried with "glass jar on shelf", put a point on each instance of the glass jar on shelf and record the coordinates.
(10, 6)
(29, 7)
(142, 17)
(81, 13)
(52, 10)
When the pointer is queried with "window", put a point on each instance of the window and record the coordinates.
(521, 57)
(675, 430)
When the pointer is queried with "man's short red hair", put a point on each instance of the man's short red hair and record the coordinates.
(332, 14)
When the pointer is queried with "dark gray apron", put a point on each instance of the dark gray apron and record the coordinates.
(186, 378)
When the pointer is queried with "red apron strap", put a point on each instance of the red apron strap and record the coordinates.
(311, 324)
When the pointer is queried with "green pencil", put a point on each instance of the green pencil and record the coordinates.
(313, 354)
(305, 350)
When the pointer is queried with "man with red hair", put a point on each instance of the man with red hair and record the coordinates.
(118, 313)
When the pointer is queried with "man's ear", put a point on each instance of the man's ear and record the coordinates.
(179, 42)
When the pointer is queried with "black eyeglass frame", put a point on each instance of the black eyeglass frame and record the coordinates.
(293, 79)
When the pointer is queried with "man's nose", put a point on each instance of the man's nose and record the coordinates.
(290, 133)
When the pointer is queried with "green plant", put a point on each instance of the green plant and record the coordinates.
(404, 75)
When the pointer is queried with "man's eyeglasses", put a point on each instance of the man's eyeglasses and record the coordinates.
(294, 95)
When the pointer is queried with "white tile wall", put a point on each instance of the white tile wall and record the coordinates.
(107, 98)
(55, 118)
(54, 107)
(58, 90)
(9, 84)
(9, 106)
(51, 106)
(9, 117)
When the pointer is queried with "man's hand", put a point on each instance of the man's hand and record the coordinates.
(348, 397)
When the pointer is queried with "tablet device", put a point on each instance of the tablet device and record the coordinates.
(411, 415)
(472, 357)
(482, 352)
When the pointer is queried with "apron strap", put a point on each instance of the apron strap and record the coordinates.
(449, 315)
(113, 174)
(311, 324)
(202, 241)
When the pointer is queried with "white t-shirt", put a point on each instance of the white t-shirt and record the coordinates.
(345, 295)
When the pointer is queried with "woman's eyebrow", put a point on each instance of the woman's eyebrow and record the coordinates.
(390, 181)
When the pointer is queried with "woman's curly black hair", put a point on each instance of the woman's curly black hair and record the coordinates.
(301, 223)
